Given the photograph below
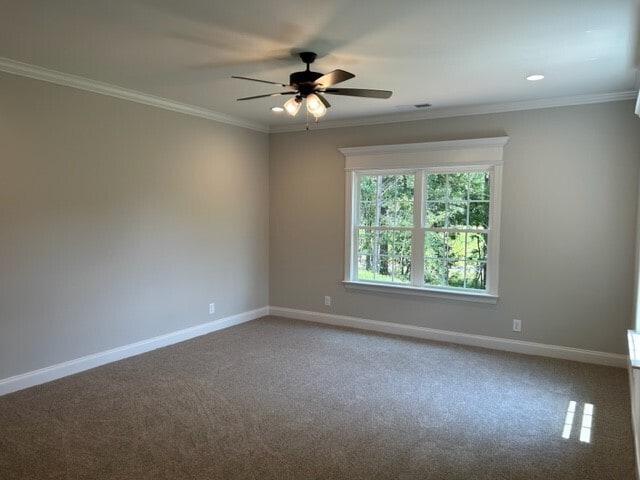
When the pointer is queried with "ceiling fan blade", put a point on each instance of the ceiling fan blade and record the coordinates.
(324, 101)
(277, 94)
(333, 77)
(359, 92)
(261, 81)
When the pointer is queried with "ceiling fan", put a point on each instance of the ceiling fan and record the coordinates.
(313, 86)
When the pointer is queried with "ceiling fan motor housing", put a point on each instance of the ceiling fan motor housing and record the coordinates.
(303, 81)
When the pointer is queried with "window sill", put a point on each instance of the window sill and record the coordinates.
(465, 296)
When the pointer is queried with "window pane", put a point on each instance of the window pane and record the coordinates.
(395, 214)
(435, 245)
(400, 257)
(365, 241)
(457, 215)
(384, 256)
(479, 214)
(386, 200)
(454, 273)
(476, 275)
(368, 185)
(457, 186)
(479, 186)
(384, 239)
(399, 269)
(387, 214)
(397, 187)
(402, 243)
(435, 214)
(366, 214)
(407, 183)
(434, 272)
(455, 246)
(476, 246)
(405, 214)
(436, 186)
(365, 267)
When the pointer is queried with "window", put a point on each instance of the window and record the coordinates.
(456, 227)
(424, 218)
(385, 227)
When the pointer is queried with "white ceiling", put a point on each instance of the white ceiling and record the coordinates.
(451, 54)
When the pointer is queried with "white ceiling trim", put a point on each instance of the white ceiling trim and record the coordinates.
(467, 110)
(81, 83)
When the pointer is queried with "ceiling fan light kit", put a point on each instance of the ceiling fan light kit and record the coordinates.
(312, 86)
(315, 106)
(293, 105)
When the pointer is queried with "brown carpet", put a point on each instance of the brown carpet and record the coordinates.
(282, 399)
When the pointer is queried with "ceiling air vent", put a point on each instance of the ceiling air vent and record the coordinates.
(410, 108)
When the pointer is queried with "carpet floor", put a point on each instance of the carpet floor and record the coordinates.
(284, 399)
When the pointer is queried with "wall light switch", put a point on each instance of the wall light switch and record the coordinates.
(212, 308)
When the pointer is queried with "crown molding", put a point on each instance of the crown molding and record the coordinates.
(467, 110)
(82, 83)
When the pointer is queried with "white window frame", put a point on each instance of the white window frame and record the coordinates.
(456, 155)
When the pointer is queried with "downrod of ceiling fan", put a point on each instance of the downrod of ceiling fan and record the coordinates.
(307, 57)
(303, 81)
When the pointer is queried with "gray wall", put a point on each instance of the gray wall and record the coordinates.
(569, 206)
(120, 222)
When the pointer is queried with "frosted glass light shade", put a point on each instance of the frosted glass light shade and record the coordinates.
(293, 105)
(315, 106)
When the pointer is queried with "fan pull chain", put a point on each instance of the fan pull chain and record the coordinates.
(316, 120)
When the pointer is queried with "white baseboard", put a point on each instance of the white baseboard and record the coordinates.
(517, 346)
(53, 372)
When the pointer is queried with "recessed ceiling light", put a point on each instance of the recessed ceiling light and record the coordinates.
(535, 77)
(277, 109)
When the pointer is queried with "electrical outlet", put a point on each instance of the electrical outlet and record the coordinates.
(327, 300)
(517, 325)
(212, 308)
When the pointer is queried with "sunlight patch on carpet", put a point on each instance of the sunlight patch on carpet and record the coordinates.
(587, 421)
